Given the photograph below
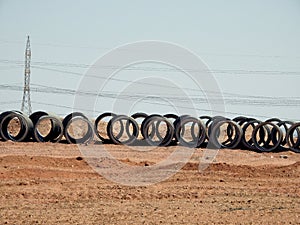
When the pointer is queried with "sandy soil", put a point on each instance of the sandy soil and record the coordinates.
(44, 183)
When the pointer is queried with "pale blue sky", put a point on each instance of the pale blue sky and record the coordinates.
(235, 36)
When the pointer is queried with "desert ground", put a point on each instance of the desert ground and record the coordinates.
(51, 183)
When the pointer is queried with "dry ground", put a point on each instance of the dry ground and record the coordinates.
(44, 183)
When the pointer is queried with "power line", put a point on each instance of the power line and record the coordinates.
(63, 106)
(9, 102)
(159, 85)
(10, 67)
(230, 95)
(43, 65)
(129, 97)
(78, 46)
(157, 103)
(231, 98)
(274, 102)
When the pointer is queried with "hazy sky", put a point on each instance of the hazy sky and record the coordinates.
(252, 46)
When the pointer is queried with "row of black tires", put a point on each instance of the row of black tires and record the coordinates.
(155, 130)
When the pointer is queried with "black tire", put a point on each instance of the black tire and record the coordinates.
(177, 122)
(36, 116)
(131, 137)
(72, 117)
(244, 143)
(214, 120)
(139, 115)
(98, 119)
(267, 147)
(146, 121)
(2, 115)
(231, 142)
(56, 132)
(155, 121)
(273, 120)
(208, 118)
(283, 124)
(171, 116)
(197, 139)
(239, 119)
(293, 146)
(26, 126)
(136, 116)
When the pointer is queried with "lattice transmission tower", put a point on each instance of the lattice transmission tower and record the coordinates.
(26, 103)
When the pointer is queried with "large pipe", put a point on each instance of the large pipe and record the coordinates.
(25, 126)
(153, 136)
(231, 138)
(128, 136)
(98, 127)
(191, 136)
(54, 130)
(84, 137)
(293, 137)
(262, 137)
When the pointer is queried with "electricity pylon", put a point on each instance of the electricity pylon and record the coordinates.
(26, 103)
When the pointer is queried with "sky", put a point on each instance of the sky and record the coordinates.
(251, 47)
